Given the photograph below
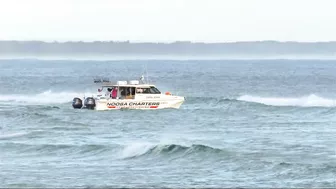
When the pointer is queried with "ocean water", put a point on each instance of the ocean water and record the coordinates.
(245, 123)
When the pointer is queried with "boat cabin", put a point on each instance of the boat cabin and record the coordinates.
(126, 90)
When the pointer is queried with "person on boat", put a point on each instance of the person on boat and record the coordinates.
(108, 92)
(122, 92)
(99, 93)
(114, 93)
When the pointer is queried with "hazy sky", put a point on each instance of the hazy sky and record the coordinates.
(168, 20)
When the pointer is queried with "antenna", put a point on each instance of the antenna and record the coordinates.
(143, 78)
(147, 73)
(127, 71)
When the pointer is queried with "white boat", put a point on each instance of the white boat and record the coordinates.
(134, 94)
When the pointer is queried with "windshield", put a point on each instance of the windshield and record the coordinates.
(154, 90)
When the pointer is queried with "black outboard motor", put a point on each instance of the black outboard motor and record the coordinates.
(77, 103)
(90, 103)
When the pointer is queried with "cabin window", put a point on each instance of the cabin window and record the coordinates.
(143, 90)
(151, 90)
(154, 90)
(122, 91)
(127, 92)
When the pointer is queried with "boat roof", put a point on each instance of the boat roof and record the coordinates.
(104, 82)
(109, 84)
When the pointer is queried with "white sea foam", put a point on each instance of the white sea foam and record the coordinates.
(136, 149)
(12, 135)
(304, 101)
(47, 97)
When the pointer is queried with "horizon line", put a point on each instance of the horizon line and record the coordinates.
(166, 42)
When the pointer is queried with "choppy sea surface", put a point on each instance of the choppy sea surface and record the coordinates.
(245, 123)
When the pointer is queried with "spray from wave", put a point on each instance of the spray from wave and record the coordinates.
(47, 97)
(305, 101)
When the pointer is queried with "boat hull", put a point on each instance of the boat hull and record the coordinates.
(117, 104)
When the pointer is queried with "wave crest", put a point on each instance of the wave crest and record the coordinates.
(305, 101)
(140, 149)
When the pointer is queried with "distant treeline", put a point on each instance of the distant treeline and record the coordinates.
(175, 48)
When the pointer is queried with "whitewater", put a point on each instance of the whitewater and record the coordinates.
(46, 97)
(51, 97)
(245, 123)
(304, 101)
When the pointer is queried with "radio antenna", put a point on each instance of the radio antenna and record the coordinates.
(146, 73)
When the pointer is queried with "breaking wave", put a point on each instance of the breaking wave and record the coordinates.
(140, 149)
(50, 97)
(47, 97)
(130, 151)
(305, 101)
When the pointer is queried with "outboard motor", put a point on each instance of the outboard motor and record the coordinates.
(77, 103)
(90, 103)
